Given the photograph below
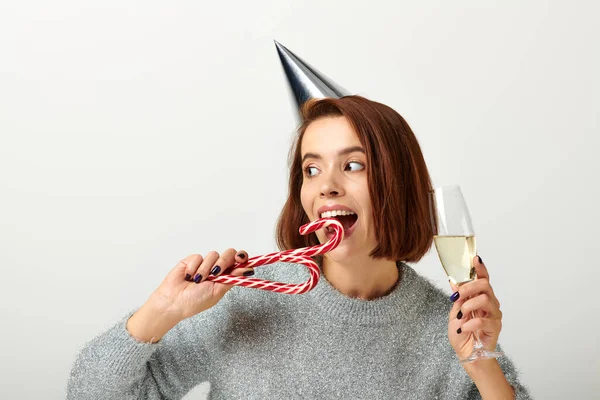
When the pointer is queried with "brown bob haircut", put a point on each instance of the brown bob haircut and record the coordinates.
(398, 179)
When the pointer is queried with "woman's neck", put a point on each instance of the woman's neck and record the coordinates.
(364, 278)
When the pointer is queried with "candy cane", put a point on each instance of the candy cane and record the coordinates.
(300, 256)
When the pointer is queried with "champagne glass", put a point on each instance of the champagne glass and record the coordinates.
(454, 239)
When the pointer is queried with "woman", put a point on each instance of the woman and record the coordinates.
(372, 328)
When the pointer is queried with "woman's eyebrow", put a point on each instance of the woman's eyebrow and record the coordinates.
(342, 152)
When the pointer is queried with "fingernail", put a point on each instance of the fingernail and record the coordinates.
(241, 255)
(188, 277)
(459, 315)
(459, 331)
(454, 297)
(480, 262)
(249, 273)
(197, 278)
(215, 270)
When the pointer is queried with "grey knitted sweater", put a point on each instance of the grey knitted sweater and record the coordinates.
(320, 345)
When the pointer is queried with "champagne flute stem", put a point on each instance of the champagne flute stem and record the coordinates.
(477, 345)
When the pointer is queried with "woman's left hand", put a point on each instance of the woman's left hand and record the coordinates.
(477, 296)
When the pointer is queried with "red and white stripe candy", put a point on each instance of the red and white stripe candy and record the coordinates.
(300, 256)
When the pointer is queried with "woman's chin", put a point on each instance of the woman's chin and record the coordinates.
(342, 253)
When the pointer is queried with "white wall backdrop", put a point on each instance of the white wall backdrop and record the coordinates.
(135, 133)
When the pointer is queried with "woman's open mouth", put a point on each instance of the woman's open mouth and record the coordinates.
(348, 222)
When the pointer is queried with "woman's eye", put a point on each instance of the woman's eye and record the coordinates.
(310, 171)
(307, 170)
(359, 165)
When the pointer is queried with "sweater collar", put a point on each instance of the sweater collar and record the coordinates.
(397, 306)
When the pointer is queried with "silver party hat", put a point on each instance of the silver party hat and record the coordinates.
(305, 81)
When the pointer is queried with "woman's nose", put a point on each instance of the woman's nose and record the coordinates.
(331, 192)
(331, 186)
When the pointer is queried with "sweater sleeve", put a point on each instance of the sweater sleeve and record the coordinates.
(114, 365)
(512, 376)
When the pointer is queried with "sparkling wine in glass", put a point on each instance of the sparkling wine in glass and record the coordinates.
(455, 243)
(456, 255)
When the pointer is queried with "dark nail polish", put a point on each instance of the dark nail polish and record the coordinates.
(454, 297)
(215, 270)
(248, 273)
(459, 315)
(459, 331)
(241, 255)
(480, 261)
(197, 278)
(188, 277)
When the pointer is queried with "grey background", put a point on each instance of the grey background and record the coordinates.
(136, 133)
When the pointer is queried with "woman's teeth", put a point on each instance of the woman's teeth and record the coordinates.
(334, 213)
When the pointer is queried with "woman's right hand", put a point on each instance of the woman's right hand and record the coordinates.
(185, 292)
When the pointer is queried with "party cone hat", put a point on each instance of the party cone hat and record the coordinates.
(305, 81)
